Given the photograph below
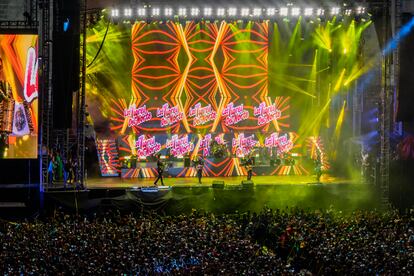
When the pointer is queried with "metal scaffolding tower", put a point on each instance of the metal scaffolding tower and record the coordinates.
(81, 100)
(46, 99)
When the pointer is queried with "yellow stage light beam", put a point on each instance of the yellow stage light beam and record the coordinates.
(339, 81)
(311, 125)
(337, 132)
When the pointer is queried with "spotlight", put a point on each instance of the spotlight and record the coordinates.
(245, 12)
(295, 11)
(308, 12)
(208, 11)
(115, 13)
(168, 11)
(195, 11)
(360, 10)
(141, 12)
(257, 12)
(320, 12)
(270, 11)
(283, 11)
(348, 12)
(221, 12)
(128, 12)
(182, 12)
(232, 11)
(334, 11)
(155, 12)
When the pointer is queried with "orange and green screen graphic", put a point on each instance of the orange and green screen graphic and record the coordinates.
(161, 79)
(18, 96)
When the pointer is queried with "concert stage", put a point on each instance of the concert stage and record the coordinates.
(117, 183)
(183, 195)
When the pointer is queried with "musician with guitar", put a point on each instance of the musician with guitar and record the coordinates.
(160, 170)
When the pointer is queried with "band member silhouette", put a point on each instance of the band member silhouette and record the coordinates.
(160, 170)
(199, 168)
(249, 167)
(318, 167)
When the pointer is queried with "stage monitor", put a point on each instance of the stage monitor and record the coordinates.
(18, 96)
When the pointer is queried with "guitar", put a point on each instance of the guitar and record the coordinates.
(248, 167)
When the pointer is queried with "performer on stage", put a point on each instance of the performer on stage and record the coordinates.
(318, 167)
(160, 170)
(364, 165)
(249, 167)
(199, 168)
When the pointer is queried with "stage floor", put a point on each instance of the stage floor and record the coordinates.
(116, 182)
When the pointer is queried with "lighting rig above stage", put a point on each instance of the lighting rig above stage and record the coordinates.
(164, 12)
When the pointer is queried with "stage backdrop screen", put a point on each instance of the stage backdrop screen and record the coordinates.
(176, 88)
(18, 96)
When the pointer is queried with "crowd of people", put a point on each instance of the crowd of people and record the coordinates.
(271, 242)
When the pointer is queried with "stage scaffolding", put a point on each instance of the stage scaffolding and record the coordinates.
(390, 11)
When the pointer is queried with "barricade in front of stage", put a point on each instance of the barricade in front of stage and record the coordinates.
(170, 200)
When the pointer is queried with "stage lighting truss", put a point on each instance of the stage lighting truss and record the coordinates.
(232, 12)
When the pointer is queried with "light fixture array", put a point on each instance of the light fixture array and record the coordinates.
(265, 13)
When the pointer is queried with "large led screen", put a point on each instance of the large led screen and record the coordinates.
(18, 96)
(179, 89)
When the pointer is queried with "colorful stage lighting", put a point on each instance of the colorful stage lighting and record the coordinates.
(115, 13)
(348, 12)
(232, 11)
(141, 12)
(308, 11)
(295, 11)
(245, 12)
(283, 11)
(257, 12)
